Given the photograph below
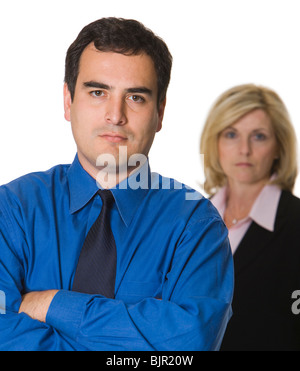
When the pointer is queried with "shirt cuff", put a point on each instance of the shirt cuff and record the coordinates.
(66, 311)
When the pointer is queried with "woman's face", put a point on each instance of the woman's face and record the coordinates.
(248, 148)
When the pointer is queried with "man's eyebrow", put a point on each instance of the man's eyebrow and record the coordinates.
(134, 90)
(96, 85)
(140, 90)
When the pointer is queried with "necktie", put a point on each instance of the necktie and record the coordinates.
(96, 269)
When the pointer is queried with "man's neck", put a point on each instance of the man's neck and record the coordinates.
(108, 177)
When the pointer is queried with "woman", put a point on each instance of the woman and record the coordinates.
(250, 167)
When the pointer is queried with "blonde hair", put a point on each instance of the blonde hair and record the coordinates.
(227, 110)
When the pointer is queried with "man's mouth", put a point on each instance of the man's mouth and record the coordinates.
(113, 137)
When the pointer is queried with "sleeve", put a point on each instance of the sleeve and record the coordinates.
(191, 316)
(19, 331)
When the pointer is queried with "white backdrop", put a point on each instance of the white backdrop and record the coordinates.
(216, 44)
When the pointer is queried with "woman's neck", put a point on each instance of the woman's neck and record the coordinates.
(239, 201)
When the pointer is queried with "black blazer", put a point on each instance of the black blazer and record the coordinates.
(267, 272)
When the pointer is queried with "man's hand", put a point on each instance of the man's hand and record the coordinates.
(36, 304)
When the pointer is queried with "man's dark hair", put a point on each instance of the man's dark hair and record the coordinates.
(124, 36)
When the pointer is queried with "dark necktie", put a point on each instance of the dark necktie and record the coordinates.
(96, 269)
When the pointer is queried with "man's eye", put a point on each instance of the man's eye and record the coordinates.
(137, 99)
(96, 93)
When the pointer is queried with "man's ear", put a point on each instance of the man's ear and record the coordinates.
(161, 112)
(67, 102)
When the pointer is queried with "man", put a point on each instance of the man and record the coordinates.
(170, 283)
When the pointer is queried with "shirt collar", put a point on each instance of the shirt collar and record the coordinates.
(82, 186)
(264, 209)
(219, 201)
(128, 194)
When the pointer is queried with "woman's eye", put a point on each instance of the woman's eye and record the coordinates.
(229, 134)
(260, 137)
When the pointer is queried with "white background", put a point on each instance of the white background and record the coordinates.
(216, 44)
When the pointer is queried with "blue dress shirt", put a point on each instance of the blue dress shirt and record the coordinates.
(174, 280)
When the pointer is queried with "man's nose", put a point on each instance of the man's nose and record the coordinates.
(115, 111)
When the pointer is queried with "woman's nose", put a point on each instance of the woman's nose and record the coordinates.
(245, 146)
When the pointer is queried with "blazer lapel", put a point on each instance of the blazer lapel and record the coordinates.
(257, 238)
(251, 246)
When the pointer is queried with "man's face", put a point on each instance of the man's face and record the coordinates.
(115, 104)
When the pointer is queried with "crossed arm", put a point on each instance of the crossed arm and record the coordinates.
(36, 304)
(192, 314)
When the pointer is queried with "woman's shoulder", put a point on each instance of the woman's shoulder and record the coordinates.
(289, 198)
(289, 206)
